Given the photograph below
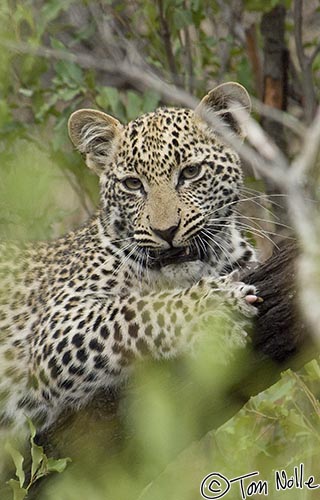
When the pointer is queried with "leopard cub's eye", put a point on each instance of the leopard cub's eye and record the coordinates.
(190, 172)
(132, 183)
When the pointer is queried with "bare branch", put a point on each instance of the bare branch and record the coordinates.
(288, 121)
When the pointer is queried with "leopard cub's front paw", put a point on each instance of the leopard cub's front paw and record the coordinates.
(239, 294)
(245, 297)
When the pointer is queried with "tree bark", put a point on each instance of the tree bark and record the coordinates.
(275, 82)
(254, 58)
(280, 330)
(274, 69)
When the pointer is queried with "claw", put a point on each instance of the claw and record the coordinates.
(252, 299)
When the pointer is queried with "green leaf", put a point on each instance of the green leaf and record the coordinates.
(46, 106)
(134, 105)
(18, 462)
(37, 453)
(57, 44)
(313, 370)
(151, 100)
(69, 72)
(32, 429)
(181, 19)
(109, 98)
(37, 456)
(18, 492)
(57, 465)
(66, 94)
(50, 10)
(26, 92)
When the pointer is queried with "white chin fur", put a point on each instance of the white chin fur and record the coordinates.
(185, 274)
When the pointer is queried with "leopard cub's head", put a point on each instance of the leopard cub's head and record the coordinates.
(168, 182)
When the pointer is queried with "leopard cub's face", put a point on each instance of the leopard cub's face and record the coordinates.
(168, 183)
(173, 186)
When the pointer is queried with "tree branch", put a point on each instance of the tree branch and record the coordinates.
(288, 121)
(280, 331)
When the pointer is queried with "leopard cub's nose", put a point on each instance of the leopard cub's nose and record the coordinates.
(166, 234)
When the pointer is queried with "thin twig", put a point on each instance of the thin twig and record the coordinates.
(297, 12)
(188, 56)
(305, 64)
(165, 33)
(314, 54)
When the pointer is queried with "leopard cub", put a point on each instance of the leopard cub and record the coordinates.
(139, 277)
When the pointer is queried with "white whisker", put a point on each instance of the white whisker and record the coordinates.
(125, 260)
(238, 215)
(213, 238)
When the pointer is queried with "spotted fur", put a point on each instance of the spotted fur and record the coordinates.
(137, 279)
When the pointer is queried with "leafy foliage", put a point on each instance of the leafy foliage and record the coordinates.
(41, 466)
(167, 453)
(275, 431)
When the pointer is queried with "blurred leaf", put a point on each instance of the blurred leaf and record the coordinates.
(150, 101)
(50, 11)
(133, 105)
(32, 429)
(313, 370)
(181, 18)
(57, 44)
(69, 73)
(37, 453)
(108, 98)
(26, 92)
(57, 465)
(18, 492)
(18, 462)
(68, 94)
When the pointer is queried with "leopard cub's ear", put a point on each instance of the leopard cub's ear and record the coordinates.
(94, 134)
(230, 102)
